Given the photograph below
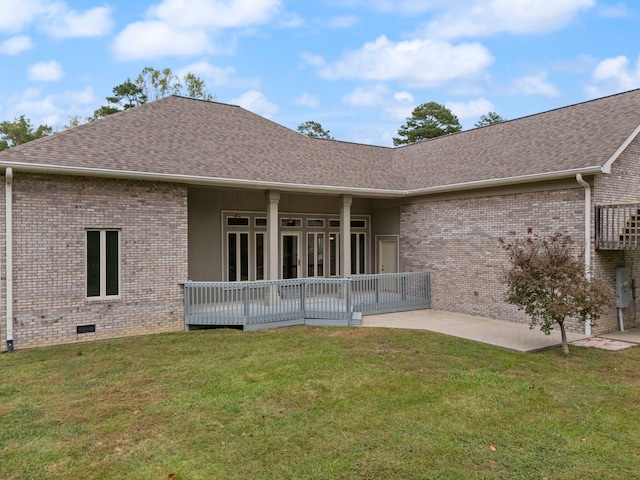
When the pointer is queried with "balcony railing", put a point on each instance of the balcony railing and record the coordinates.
(311, 301)
(617, 226)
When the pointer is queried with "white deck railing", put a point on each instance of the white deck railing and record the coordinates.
(618, 226)
(315, 301)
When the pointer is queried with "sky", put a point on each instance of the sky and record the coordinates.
(358, 67)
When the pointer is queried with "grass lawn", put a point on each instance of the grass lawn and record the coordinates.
(317, 403)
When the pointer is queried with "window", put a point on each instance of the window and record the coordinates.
(103, 263)
(315, 223)
(291, 222)
(238, 221)
(357, 253)
(259, 256)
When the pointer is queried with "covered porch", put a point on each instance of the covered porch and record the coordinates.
(240, 235)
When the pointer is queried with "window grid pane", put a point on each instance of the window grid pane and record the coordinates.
(93, 263)
(112, 262)
(311, 255)
(244, 257)
(231, 247)
(260, 256)
(361, 258)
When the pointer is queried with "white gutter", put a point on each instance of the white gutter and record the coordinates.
(293, 187)
(8, 175)
(587, 239)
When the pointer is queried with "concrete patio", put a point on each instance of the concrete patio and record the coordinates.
(512, 336)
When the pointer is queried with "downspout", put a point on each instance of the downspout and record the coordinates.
(587, 239)
(8, 175)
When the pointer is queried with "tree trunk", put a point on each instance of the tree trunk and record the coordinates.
(565, 345)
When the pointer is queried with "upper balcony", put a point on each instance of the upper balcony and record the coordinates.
(617, 226)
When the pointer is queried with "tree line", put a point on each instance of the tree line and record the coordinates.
(151, 84)
(428, 120)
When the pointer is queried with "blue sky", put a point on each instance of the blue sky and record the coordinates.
(356, 66)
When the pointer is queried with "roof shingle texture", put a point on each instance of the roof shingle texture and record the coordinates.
(579, 136)
(181, 136)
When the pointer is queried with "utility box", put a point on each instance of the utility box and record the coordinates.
(622, 287)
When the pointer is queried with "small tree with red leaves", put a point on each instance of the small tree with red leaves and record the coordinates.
(548, 281)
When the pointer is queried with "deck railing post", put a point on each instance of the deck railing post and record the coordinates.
(303, 298)
(185, 292)
(245, 291)
(403, 283)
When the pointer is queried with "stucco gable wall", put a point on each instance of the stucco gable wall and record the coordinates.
(457, 241)
(51, 215)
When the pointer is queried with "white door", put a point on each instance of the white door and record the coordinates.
(387, 255)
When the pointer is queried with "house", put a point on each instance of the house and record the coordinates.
(103, 222)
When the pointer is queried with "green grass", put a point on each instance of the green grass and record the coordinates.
(317, 403)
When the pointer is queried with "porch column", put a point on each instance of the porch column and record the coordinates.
(272, 197)
(345, 235)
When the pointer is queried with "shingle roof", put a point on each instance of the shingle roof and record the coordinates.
(570, 138)
(182, 137)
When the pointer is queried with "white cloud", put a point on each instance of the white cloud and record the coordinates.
(347, 21)
(187, 27)
(211, 74)
(256, 102)
(366, 97)
(16, 15)
(396, 106)
(405, 97)
(398, 111)
(53, 109)
(92, 23)
(142, 40)
(416, 62)
(471, 109)
(312, 59)
(45, 71)
(402, 7)
(215, 76)
(535, 85)
(290, 20)
(16, 45)
(613, 75)
(307, 100)
(482, 18)
(214, 13)
(55, 18)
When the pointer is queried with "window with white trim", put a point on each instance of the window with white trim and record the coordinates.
(358, 258)
(103, 263)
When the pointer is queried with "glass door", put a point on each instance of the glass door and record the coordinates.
(290, 255)
(315, 255)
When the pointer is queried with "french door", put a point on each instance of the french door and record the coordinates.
(290, 255)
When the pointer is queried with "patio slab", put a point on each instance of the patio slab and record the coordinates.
(512, 336)
(603, 343)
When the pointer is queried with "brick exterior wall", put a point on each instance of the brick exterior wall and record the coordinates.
(51, 215)
(457, 241)
(621, 186)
